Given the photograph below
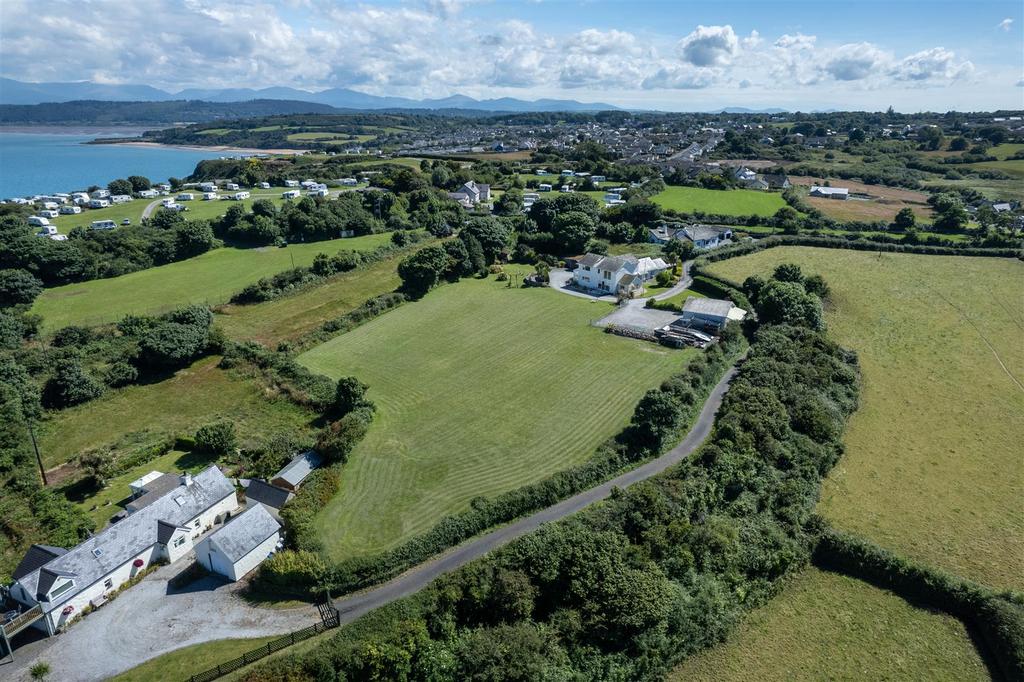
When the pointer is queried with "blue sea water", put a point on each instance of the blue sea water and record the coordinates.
(46, 162)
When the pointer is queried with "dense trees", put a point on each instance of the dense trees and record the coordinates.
(217, 438)
(18, 287)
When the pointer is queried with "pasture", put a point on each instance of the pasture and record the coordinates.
(210, 278)
(825, 626)
(479, 389)
(932, 468)
(135, 416)
(724, 202)
(884, 204)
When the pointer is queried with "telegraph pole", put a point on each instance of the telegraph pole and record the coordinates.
(39, 459)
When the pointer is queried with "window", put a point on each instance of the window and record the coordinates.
(107, 584)
(587, 268)
(179, 541)
(61, 589)
(606, 274)
(197, 523)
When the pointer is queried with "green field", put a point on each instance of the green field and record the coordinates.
(725, 202)
(825, 626)
(118, 212)
(480, 389)
(190, 660)
(210, 278)
(933, 466)
(144, 413)
(1006, 150)
(1014, 167)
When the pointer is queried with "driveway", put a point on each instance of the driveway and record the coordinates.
(150, 619)
(634, 314)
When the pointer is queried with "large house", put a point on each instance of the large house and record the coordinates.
(701, 236)
(60, 583)
(471, 194)
(620, 275)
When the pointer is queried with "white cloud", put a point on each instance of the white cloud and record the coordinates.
(937, 63)
(855, 61)
(1005, 24)
(671, 76)
(798, 41)
(709, 46)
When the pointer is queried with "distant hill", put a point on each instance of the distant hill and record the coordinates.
(161, 114)
(745, 110)
(18, 92)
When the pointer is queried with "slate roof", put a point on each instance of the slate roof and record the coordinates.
(712, 307)
(244, 533)
(296, 471)
(165, 530)
(265, 493)
(590, 259)
(98, 556)
(155, 489)
(35, 557)
(703, 232)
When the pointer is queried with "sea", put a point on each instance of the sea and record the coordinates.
(43, 161)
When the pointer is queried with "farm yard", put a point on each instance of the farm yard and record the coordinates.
(884, 202)
(829, 626)
(209, 278)
(740, 202)
(932, 465)
(480, 389)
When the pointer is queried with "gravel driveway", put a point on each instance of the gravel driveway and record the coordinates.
(634, 314)
(150, 619)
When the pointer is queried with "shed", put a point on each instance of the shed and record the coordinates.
(296, 471)
(241, 545)
(710, 314)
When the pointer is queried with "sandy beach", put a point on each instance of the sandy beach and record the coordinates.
(202, 148)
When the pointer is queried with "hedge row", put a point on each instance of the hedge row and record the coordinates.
(687, 390)
(997, 618)
(298, 515)
(303, 387)
(371, 308)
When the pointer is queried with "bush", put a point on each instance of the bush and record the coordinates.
(337, 440)
(120, 374)
(70, 385)
(349, 394)
(299, 514)
(217, 438)
(18, 287)
(291, 572)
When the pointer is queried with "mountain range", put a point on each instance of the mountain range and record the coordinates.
(19, 92)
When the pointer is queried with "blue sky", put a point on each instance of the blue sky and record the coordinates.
(666, 55)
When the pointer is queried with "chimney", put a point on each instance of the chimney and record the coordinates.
(186, 479)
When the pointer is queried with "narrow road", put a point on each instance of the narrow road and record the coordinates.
(415, 579)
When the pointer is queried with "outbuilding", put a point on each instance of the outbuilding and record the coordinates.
(709, 314)
(296, 471)
(241, 545)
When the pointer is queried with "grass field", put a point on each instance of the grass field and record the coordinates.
(118, 212)
(825, 626)
(886, 202)
(1013, 167)
(1005, 190)
(190, 660)
(289, 317)
(933, 466)
(194, 396)
(479, 389)
(1006, 150)
(210, 278)
(730, 202)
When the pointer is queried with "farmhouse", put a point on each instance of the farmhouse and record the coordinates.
(296, 471)
(777, 180)
(60, 583)
(616, 274)
(709, 313)
(471, 194)
(830, 192)
(701, 236)
(241, 545)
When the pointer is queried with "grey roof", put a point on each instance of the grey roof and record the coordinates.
(245, 532)
(296, 471)
(165, 530)
(155, 489)
(590, 259)
(707, 306)
(102, 553)
(776, 178)
(613, 263)
(265, 493)
(35, 557)
(703, 232)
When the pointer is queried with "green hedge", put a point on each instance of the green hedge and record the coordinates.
(997, 618)
(299, 513)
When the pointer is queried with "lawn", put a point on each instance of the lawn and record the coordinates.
(679, 299)
(210, 278)
(131, 210)
(480, 389)
(190, 660)
(1006, 150)
(141, 414)
(725, 202)
(825, 626)
(933, 466)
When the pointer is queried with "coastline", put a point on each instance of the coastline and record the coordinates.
(201, 148)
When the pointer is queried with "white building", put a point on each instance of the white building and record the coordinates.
(49, 213)
(208, 186)
(210, 196)
(38, 221)
(242, 544)
(291, 183)
(291, 194)
(103, 224)
(264, 185)
(60, 583)
(830, 192)
(186, 196)
(231, 187)
(99, 194)
(616, 274)
(471, 194)
(709, 314)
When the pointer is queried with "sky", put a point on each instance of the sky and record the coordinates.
(937, 55)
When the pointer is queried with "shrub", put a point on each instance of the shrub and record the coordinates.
(70, 385)
(217, 438)
(337, 440)
(349, 394)
(289, 571)
(18, 287)
(298, 515)
(120, 374)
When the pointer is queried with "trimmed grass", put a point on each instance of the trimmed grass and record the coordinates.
(826, 626)
(1013, 167)
(190, 660)
(1007, 190)
(1006, 150)
(118, 212)
(479, 389)
(933, 467)
(210, 278)
(143, 414)
(725, 202)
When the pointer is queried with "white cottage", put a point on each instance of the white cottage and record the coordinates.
(241, 545)
(616, 274)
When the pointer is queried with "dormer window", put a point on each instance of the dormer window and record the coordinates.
(61, 589)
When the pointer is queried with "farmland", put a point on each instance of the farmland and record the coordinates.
(825, 626)
(209, 278)
(139, 415)
(885, 202)
(932, 466)
(480, 389)
(724, 202)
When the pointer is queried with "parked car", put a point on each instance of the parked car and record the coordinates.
(126, 221)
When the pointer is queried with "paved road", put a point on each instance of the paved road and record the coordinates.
(354, 606)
